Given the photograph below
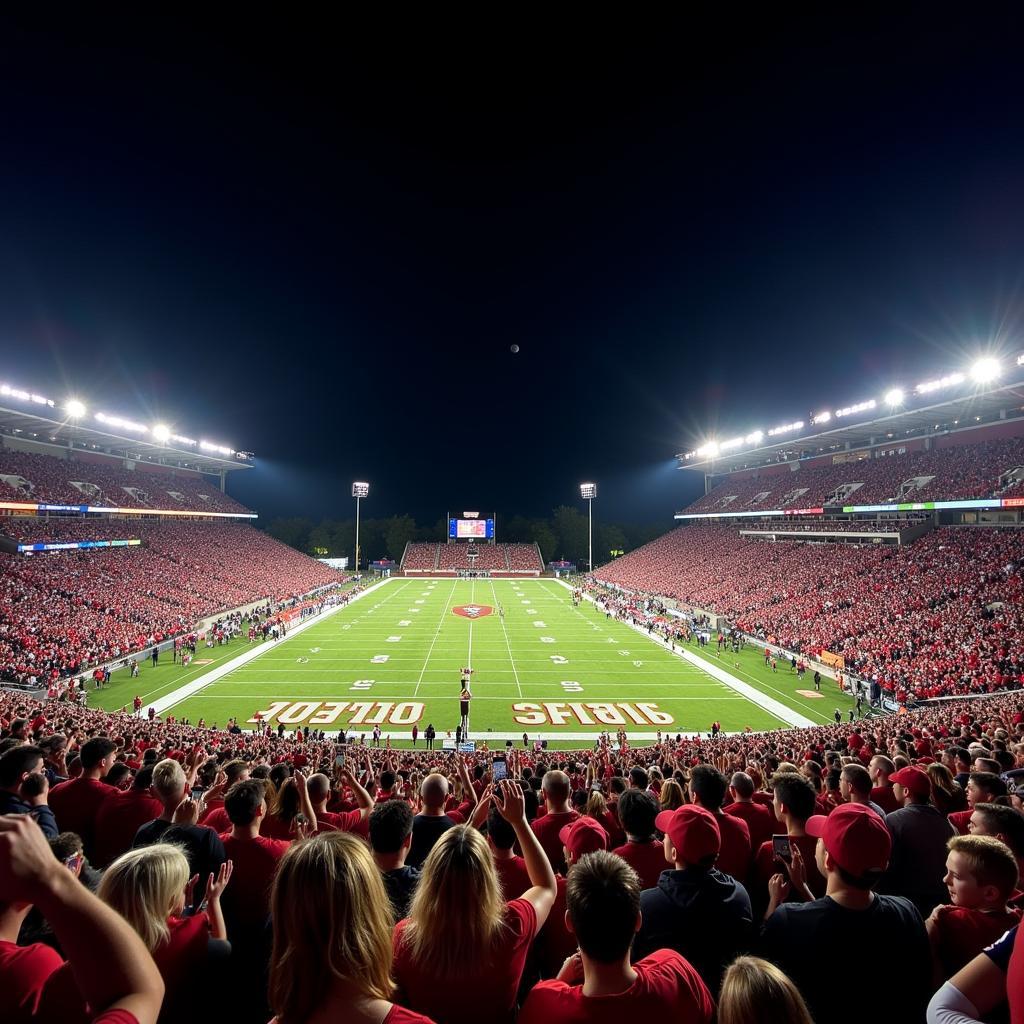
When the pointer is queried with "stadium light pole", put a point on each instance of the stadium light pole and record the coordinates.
(360, 489)
(589, 492)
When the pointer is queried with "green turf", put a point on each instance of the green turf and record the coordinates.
(605, 662)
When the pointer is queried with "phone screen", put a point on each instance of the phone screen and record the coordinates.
(197, 792)
(781, 848)
(339, 758)
(500, 770)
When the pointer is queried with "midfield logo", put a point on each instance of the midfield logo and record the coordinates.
(472, 611)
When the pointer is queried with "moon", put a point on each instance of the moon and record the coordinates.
(514, 348)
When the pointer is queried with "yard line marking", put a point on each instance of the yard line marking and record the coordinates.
(444, 613)
(507, 644)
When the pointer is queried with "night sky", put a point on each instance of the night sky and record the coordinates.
(318, 240)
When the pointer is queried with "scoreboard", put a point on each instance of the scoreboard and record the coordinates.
(471, 529)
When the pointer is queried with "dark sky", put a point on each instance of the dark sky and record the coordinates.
(317, 240)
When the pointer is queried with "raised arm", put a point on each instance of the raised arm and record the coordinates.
(363, 798)
(543, 887)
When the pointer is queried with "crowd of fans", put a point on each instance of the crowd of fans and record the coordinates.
(53, 481)
(958, 472)
(490, 557)
(817, 524)
(66, 611)
(252, 875)
(941, 616)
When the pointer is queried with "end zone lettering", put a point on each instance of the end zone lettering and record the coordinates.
(591, 713)
(327, 712)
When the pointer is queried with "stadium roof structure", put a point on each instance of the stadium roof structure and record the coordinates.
(35, 418)
(920, 413)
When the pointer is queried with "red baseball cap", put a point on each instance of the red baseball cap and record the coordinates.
(855, 836)
(693, 831)
(913, 779)
(584, 835)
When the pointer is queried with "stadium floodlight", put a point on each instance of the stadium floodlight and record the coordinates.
(162, 433)
(949, 381)
(733, 442)
(1020, 359)
(822, 417)
(786, 428)
(74, 408)
(755, 437)
(985, 370)
(709, 450)
(122, 424)
(852, 410)
(589, 492)
(894, 396)
(360, 489)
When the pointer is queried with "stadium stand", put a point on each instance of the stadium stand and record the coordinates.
(64, 611)
(524, 558)
(81, 481)
(420, 557)
(919, 762)
(945, 473)
(497, 559)
(944, 615)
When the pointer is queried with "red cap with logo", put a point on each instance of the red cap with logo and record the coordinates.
(693, 831)
(855, 836)
(913, 779)
(583, 836)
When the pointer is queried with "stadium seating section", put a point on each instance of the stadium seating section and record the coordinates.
(48, 480)
(943, 615)
(964, 471)
(63, 611)
(449, 558)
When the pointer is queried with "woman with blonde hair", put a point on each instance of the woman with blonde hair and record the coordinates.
(331, 958)
(671, 796)
(459, 956)
(597, 808)
(754, 990)
(947, 794)
(150, 888)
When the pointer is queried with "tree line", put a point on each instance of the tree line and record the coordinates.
(562, 535)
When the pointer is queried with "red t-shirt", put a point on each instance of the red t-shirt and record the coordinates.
(218, 820)
(546, 830)
(120, 816)
(735, 855)
(396, 1015)
(959, 820)
(646, 859)
(765, 865)
(513, 876)
(177, 960)
(555, 942)
(885, 798)
(961, 934)
(760, 821)
(76, 803)
(667, 988)
(246, 900)
(36, 986)
(345, 821)
(484, 991)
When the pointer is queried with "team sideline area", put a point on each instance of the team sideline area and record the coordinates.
(541, 664)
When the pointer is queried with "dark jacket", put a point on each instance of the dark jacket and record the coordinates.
(11, 803)
(703, 914)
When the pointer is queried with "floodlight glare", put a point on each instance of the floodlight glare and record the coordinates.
(822, 417)
(74, 408)
(162, 433)
(894, 396)
(360, 489)
(755, 437)
(984, 371)
(588, 490)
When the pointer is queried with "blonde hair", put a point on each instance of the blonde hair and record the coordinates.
(457, 912)
(597, 806)
(332, 919)
(671, 795)
(754, 990)
(169, 779)
(144, 886)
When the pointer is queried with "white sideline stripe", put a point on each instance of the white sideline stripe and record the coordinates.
(755, 696)
(518, 736)
(168, 701)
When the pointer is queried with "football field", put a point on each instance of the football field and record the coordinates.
(540, 666)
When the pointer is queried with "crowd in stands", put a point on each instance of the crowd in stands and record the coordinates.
(941, 616)
(959, 472)
(820, 525)
(66, 611)
(458, 556)
(420, 556)
(750, 876)
(49, 480)
(524, 557)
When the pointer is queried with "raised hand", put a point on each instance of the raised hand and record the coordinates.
(216, 886)
(512, 805)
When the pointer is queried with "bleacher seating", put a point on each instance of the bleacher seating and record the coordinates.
(420, 557)
(524, 558)
(50, 480)
(943, 615)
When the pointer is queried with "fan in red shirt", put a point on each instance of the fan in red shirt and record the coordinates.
(460, 954)
(760, 821)
(981, 874)
(319, 788)
(643, 851)
(331, 957)
(121, 815)
(557, 793)
(108, 967)
(598, 984)
(76, 803)
(707, 789)
(511, 869)
(880, 768)
(982, 788)
(149, 887)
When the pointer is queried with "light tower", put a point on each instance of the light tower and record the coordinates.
(360, 489)
(589, 492)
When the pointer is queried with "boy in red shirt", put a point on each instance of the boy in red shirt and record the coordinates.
(643, 851)
(75, 803)
(557, 792)
(981, 874)
(598, 984)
